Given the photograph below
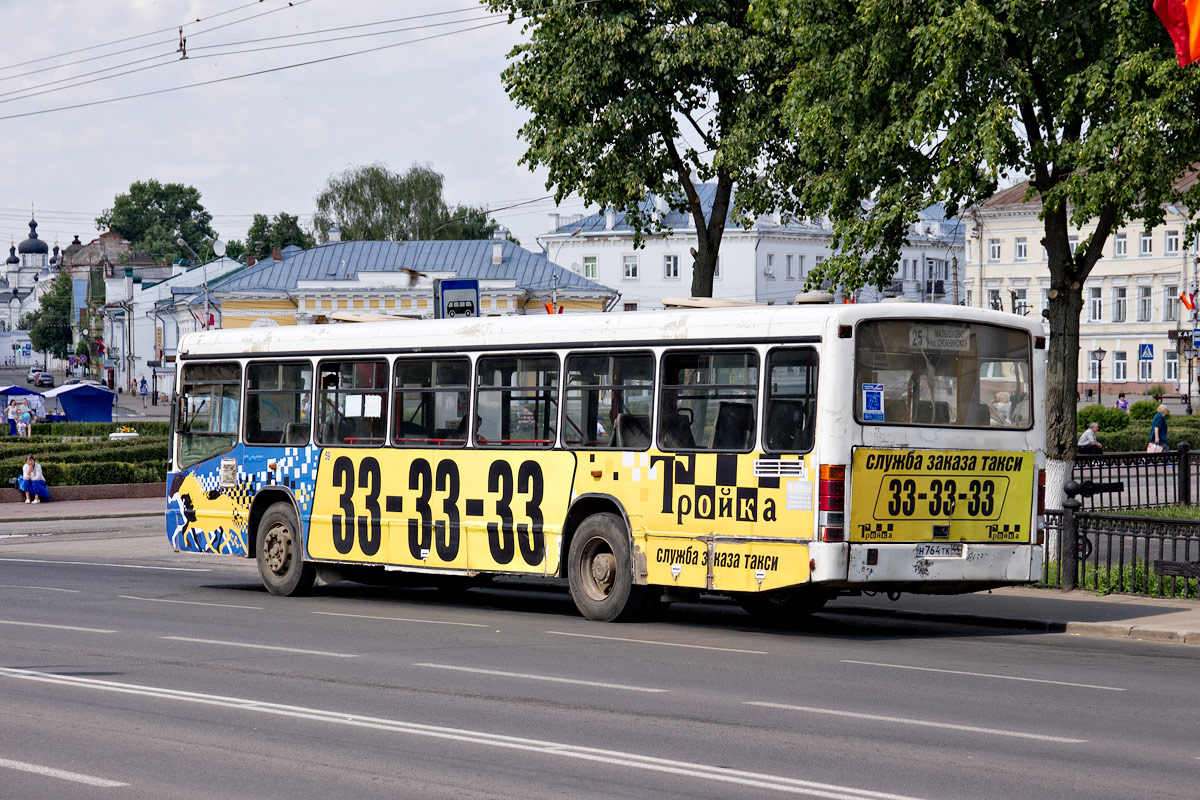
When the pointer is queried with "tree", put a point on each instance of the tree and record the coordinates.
(50, 325)
(616, 90)
(265, 234)
(892, 106)
(468, 222)
(153, 215)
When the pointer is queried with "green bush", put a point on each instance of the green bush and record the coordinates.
(1127, 441)
(1110, 419)
(139, 460)
(145, 428)
(1142, 410)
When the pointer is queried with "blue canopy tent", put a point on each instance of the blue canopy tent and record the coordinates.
(84, 402)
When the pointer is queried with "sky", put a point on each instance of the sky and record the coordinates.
(264, 143)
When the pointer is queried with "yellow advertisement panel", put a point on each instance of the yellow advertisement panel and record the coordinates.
(727, 565)
(455, 509)
(928, 495)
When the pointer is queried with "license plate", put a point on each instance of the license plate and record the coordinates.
(948, 550)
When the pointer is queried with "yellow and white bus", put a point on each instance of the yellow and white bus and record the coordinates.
(780, 456)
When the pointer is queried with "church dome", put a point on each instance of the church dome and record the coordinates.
(12, 256)
(33, 245)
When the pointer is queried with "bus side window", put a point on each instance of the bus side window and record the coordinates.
(352, 402)
(431, 402)
(709, 400)
(608, 390)
(516, 400)
(277, 402)
(791, 405)
(208, 408)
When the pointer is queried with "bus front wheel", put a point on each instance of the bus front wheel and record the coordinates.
(281, 563)
(600, 571)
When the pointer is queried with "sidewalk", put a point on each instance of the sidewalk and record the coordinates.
(1051, 611)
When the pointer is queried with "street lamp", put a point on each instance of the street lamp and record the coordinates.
(1098, 356)
(1189, 353)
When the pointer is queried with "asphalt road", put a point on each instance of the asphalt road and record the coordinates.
(128, 671)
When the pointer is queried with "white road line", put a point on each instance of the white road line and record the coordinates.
(695, 771)
(185, 602)
(549, 678)
(260, 647)
(56, 627)
(51, 772)
(664, 644)
(986, 675)
(103, 564)
(39, 588)
(402, 619)
(922, 722)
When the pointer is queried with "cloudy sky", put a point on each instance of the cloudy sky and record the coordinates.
(263, 143)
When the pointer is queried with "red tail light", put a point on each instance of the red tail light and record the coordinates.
(831, 502)
(1041, 492)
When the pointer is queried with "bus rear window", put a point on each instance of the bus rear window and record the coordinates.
(943, 374)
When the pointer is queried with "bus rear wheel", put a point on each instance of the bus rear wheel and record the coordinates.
(281, 563)
(600, 571)
(784, 607)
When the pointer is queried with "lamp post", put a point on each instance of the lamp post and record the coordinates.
(1098, 356)
(1189, 353)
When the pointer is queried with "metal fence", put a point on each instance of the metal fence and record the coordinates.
(1116, 553)
(1150, 480)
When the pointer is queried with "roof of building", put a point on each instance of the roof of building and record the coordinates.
(1013, 198)
(33, 244)
(12, 256)
(467, 259)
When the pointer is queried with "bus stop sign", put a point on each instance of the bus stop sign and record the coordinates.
(455, 298)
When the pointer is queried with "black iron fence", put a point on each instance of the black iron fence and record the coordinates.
(1150, 479)
(1115, 553)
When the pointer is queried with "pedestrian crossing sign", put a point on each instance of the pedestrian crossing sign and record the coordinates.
(1146, 352)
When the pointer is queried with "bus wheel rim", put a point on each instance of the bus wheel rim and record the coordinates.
(278, 549)
(599, 569)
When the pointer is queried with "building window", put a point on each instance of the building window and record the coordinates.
(1020, 302)
(1119, 365)
(994, 300)
(1022, 251)
(630, 264)
(1045, 253)
(791, 266)
(1145, 303)
(717, 269)
(671, 267)
(1045, 299)
(631, 306)
(1171, 366)
(769, 270)
(1118, 304)
(1145, 370)
(800, 265)
(1147, 245)
(969, 298)
(1119, 246)
(1170, 303)
(589, 267)
(1072, 243)
(1094, 304)
(1172, 242)
(993, 249)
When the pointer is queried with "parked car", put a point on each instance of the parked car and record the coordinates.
(43, 379)
(84, 381)
(33, 373)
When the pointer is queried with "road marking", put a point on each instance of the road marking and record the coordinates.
(260, 647)
(987, 675)
(549, 678)
(402, 619)
(103, 564)
(553, 749)
(185, 602)
(51, 772)
(40, 588)
(664, 644)
(922, 722)
(56, 627)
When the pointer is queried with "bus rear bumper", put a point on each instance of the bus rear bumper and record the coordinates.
(929, 566)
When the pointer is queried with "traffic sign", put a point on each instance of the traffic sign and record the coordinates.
(456, 298)
(1146, 352)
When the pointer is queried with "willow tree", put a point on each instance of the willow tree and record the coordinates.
(635, 97)
(893, 105)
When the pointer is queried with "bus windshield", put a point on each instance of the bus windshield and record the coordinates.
(943, 374)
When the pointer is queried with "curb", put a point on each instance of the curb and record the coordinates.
(65, 518)
(1105, 630)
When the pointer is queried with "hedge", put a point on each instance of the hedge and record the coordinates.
(1110, 419)
(146, 428)
(22, 447)
(90, 474)
(1143, 410)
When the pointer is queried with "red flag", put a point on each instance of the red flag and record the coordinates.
(1181, 18)
(1189, 301)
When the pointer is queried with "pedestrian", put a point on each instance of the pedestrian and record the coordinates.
(25, 420)
(1087, 441)
(11, 412)
(1122, 403)
(1158, 431)
(144, 388)
(33, 482)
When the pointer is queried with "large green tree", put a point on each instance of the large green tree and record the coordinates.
(152, 216)
(630, 97)
(373, 203)
(282, 230)
(50, 325)
(893, 105)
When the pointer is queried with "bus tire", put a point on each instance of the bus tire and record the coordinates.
(600, 571)
(784, 607)
(281, 563)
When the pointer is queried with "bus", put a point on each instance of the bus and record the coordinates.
(779, 456)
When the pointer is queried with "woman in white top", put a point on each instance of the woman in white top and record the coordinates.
(33, 482)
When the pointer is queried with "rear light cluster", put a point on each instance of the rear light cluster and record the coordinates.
(1041, 507)
(831, 503)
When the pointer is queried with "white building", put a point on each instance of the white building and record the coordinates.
(766, 263)
(1131, 301)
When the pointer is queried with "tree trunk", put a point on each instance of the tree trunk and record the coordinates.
(708, 233)
(1062, 381)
